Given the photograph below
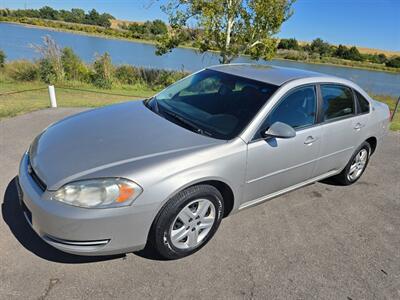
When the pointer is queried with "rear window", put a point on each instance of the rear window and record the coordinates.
(363, 103)
(337, 101)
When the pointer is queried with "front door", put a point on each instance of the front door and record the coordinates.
(275, 164)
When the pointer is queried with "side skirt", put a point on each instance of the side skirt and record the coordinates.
(286, 190)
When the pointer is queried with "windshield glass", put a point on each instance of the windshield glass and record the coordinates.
(212, 103)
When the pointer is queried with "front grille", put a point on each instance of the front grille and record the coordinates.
(35, 177)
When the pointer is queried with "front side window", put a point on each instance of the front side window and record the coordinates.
(337, 101)
(363, 103)
(298, 109)
(212, 103)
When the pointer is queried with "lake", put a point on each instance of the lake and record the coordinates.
(16, 41)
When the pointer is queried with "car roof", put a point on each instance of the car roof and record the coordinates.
(267, 73)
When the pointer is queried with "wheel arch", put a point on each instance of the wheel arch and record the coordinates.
(223, 187)
(226, 192)
(372, 141)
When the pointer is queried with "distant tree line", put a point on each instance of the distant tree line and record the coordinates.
(320, 48)
(75, 15)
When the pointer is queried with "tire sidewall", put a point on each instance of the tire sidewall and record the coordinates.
(170, 211)
(365, 146)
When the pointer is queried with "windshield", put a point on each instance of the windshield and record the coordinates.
(212, 103)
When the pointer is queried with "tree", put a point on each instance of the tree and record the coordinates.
(46, 12)
(289, 44)
(158, 27)
(381, 58)
(393, 62)
(74, 68)
(230, 27)
(353, 54)
(341, 51)
(92, 17)
(77, 15)
(321, 47)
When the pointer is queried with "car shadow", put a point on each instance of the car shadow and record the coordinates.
(14, 218)
(330, 181)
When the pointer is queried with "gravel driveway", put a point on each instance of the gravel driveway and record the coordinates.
(322, 241)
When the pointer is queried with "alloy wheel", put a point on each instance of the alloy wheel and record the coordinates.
(192, 224)
(358, 165)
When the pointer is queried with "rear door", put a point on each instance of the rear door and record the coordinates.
(339, 125)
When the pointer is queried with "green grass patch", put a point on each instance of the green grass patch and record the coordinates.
(391, 102)
(77, 95)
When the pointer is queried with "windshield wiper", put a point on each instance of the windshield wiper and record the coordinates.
(186, 122)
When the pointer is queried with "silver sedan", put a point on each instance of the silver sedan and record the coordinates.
(163, 172)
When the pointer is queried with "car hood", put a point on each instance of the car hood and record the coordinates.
(98, 139)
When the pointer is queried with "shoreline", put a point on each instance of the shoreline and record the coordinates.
(151, 42)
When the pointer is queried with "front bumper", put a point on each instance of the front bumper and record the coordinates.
(83, 231)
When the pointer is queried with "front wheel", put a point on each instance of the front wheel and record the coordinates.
(356, 166)
(187, 222)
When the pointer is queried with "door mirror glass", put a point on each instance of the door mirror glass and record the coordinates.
(279, 130)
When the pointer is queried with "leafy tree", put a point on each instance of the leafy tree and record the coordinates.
(348, 53)
(353, 54)
(381, 59)
(394, 62)
(77, 15)
(73, 66)
(229, 26)
(321, 47)
(92, 17)
(289, 44)
(2, 59)
(158, 27)
(341, 51)
(46, 12)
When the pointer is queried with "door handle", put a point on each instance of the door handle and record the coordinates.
(310, 139)
(358, 126)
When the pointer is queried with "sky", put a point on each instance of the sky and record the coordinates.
(367, 23)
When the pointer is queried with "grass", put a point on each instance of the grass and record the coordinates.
(391, 102)
(14, 104)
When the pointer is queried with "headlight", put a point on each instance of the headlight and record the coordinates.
(99, 193)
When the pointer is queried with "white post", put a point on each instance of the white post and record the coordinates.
(52, 94)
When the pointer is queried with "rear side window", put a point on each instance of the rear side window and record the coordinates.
(337, 101)
(363, 103)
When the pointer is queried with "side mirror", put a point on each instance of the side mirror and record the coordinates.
(279, 130)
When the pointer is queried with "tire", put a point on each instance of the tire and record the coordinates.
(178, 232)
(345, 177)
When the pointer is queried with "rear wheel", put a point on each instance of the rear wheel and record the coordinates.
(356, 166)
(187, 222)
